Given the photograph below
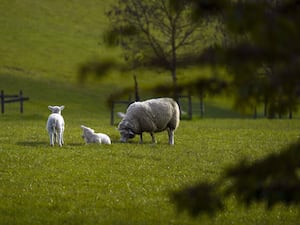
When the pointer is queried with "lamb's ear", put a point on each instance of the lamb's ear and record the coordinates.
(83, 127)
(62, 107)
(50, 107)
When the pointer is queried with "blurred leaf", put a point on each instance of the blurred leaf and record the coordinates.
(197, 200)
(273, 180)
(100, 68)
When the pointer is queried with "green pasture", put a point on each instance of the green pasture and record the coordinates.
(42, 45)
(128, 183)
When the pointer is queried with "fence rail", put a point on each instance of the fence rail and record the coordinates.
(11, 99)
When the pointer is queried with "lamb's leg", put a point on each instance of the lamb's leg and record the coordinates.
(51, 136)
(62, 138)
(54, 137)
(171, 136)
(59, 137)
(62, 135)
(153, 138)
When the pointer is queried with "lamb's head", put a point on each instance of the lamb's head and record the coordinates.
(125, 131)
(87, 132)
(56, 109)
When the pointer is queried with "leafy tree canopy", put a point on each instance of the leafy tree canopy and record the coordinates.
(260, 49)
(262, 55)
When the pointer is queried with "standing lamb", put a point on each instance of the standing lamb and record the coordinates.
(56, 125)
(154, 115)
(90, 136)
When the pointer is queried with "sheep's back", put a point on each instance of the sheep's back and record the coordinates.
(55, 120)
(153, 115)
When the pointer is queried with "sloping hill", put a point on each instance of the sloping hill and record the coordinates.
(42, 44)
(50, 38)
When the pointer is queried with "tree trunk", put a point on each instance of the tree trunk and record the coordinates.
(175, 87)
(136, 89)
(174, 65)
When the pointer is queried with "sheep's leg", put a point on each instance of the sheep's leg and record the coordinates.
(54, 137)
(153, 138)
(51, 136)
(141, 138)
(59, 138)
(62, 138)
(171, 136)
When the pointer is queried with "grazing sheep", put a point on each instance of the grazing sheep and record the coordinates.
(90, 136)
(56, 125)
(154, 115)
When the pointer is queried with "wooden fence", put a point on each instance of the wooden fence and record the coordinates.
(11, 99)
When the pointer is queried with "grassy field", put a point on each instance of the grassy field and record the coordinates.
(42, 44)
(129, 183)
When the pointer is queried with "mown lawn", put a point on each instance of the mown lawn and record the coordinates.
(129, 183)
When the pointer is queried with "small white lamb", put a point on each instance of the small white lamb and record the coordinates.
(90, 136)
(56, 125)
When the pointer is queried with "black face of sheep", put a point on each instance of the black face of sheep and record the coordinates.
(126, 134)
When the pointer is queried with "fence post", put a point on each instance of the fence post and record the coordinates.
(255, 113)
(112, 112)
(190, 106)
(2, 101)
(201, 105)
(21, 101)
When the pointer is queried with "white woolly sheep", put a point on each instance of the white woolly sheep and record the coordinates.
(90, 136)
(56, 125)
(154, 115)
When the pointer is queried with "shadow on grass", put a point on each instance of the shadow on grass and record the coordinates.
(45, 144)
(15, 116)
(33, 143)
(75, 144)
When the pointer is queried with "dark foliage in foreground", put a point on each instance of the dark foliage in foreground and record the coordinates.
(272, 180)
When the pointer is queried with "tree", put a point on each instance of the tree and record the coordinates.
(264, 63)
(153, 34)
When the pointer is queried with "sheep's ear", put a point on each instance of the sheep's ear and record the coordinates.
(131, 132)
(82, 126)
(121, 115)
(50, 107)
(62, 107)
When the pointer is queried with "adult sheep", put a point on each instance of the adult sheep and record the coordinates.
(154, 115)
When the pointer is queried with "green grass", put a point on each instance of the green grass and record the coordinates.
(46, 39)
(129, 183)
(42, 44)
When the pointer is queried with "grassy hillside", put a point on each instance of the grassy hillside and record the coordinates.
(42, 44)
(49, 38)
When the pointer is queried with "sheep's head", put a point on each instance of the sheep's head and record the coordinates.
(126, 134)
(56, 109)
(125, 131)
